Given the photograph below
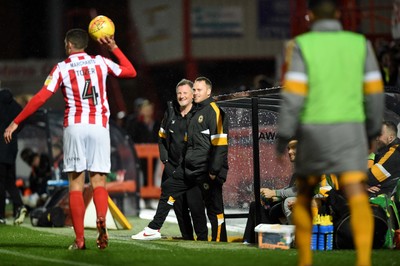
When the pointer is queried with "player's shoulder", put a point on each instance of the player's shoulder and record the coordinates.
(215, 106)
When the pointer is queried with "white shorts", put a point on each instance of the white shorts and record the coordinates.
(87, 147)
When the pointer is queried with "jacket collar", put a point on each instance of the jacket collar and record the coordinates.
(326, 25)
(396, 141)
(206, 102)
(177, 107)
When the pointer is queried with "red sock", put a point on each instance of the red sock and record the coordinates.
(100, 199)
(77, 209)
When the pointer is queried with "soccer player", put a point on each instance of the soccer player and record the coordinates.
(333, 104)
(82, 80)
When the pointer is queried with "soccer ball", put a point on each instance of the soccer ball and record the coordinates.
(101, 26)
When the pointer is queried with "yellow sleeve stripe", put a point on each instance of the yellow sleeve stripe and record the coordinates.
(373, 82)
(388, 154)
(219, 140)
(380, 172)
(161, 133)
(220, 129)
(373, 86)
(295, 87)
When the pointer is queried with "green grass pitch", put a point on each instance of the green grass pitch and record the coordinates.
(27, 245)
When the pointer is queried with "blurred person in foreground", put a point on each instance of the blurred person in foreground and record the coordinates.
(82, 80)
(172, 146)
(9, 109)
(333, 104)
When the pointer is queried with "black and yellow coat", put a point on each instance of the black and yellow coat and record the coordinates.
(386, 168)
(207, 141)
(171, 135)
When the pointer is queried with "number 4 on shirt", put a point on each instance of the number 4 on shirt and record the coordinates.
(89, 92)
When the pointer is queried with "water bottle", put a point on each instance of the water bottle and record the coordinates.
(57, 173)
(325, 237)
(314, 237)
(315, 233)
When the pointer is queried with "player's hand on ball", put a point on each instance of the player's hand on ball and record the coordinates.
(108, 42)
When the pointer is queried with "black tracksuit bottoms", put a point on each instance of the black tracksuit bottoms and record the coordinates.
(211, 190)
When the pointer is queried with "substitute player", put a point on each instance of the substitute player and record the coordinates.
(333, 102)
(82, 80)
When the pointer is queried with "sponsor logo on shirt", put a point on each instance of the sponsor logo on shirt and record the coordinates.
(201, 118)
(82, 63)
(48, 80)
(73, 159)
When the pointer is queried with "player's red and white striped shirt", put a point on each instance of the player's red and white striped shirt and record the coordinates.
(82, 79)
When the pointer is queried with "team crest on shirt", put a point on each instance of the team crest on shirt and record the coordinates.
(48, 80)
(200, 119)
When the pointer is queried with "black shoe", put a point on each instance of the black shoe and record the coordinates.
(2, 221)
(20, 217)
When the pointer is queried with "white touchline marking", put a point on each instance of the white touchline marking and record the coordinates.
(142, 243)
(20, 254)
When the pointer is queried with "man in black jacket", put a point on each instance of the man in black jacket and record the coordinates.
(385, 172)
(172, 146)
(9, 109)
(207, 151)
(205, 164)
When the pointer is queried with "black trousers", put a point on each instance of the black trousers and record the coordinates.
(213, 199)
(7, 183)
(187, 201)
(176, 185)
(188, 207)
